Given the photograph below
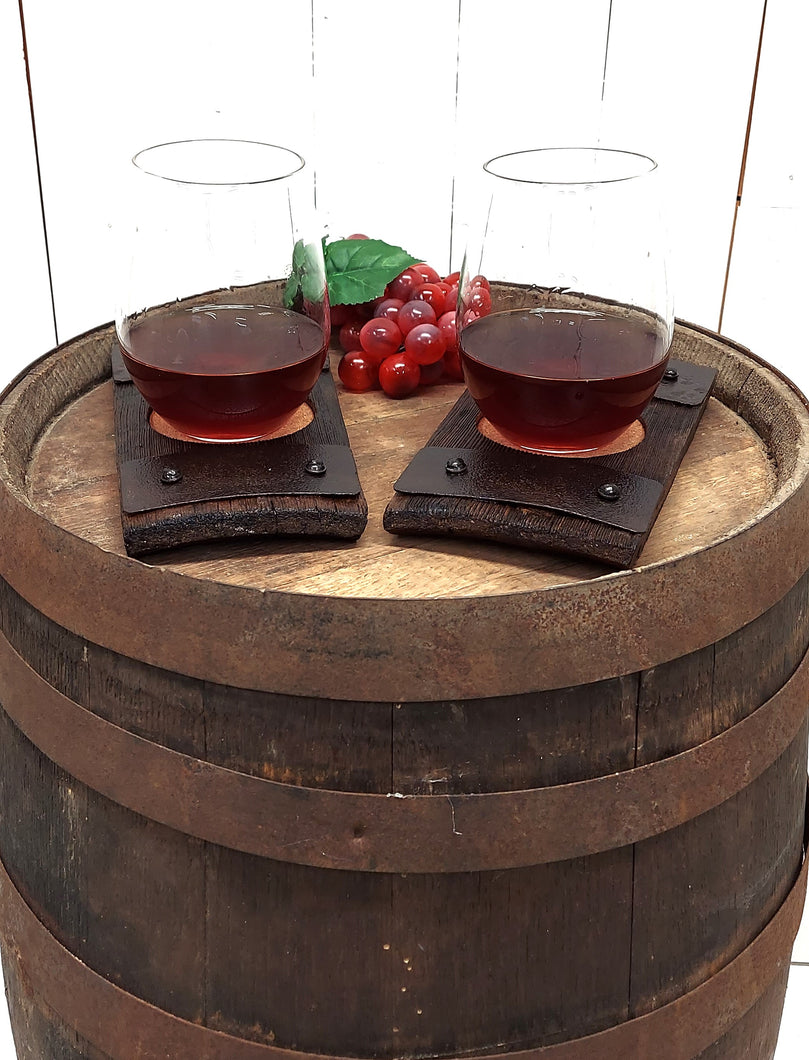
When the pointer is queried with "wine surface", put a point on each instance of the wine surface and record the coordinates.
(224, 373)
(558, 381)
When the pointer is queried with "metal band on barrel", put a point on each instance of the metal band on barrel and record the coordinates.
(394, 832)
(123, 1025)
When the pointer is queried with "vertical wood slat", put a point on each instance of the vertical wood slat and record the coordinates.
(752, 864)
(768, 265)
(40, 1035)
(384, 112)
(529, 75)
(359, 938)
(29, 326)
(353, 915)
(682, 95)
(368, 93)
(138, 75)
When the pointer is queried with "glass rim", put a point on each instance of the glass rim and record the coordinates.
(614, 152)
(220, 140)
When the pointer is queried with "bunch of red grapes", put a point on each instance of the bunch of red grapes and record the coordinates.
(409, 336)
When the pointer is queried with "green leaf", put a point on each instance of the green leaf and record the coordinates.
(358, 270)
(306, 281)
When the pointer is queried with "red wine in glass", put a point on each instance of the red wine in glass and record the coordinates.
(557, 381)
(221, 373)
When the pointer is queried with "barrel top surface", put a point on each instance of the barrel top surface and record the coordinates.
(738, 476)
(725, 479)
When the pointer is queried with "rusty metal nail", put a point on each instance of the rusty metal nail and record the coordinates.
(609, 491)
(456, 466)
(170, 475)
(316, 467)
(671, 375)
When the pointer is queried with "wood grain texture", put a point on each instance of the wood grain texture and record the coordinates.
(205, 519)
(73, 481)
(565, 523)
(756, 1034)
(383, 964)
(406, 612)
(39, 1033)
(316, 960)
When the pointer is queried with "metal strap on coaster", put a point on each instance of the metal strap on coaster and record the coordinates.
(122, 1025)
(151, 483)
(184, 473)
(395, 832)
(596, 489)
(576, 487)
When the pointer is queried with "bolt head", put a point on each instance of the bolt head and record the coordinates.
(170, 475)
(609, 491)
(671, 375)
(316, 467)
(456, 466)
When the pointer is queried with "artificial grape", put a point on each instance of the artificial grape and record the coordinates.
(480, 281)
(350, 335)
(415, 312)
(452, 279)
(341, 314)
(403, 285)
(427, 273)
(380, 338)
(425, 343)
(432, 293)
(357, 235)
(388, 308)
(447, 327)
(451, 300)
(479, 299)
(358, 371)
(399, 375)
(431, 373)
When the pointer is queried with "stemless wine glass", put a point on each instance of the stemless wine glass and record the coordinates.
(564, 313)
(223, 319)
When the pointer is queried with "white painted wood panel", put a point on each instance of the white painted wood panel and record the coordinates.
(529, 75)
(769, 273)
(28, 327)
(385, 106)
(678, 83)
(111, 78)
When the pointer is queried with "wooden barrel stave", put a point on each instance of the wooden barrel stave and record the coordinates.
(615, 943)
(476, 950)
(312, 957)
(428, 747)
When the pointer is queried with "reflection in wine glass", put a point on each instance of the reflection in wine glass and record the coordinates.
(565, 317)
(223, 318)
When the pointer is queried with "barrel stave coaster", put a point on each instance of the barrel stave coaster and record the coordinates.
(178, 492)
(601, 507)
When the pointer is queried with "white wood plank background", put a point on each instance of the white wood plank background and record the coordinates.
(400, 110)
(28, 317)
(769, 272)
(394, 108)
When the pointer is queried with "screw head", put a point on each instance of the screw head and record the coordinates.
(170, 475)
(316, 467)
(609, 491)
(671, 375)
(456, 466)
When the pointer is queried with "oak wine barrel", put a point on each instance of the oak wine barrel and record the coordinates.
(274, 799)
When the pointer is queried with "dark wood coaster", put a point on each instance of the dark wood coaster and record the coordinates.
(464, 482)
(175, 491)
